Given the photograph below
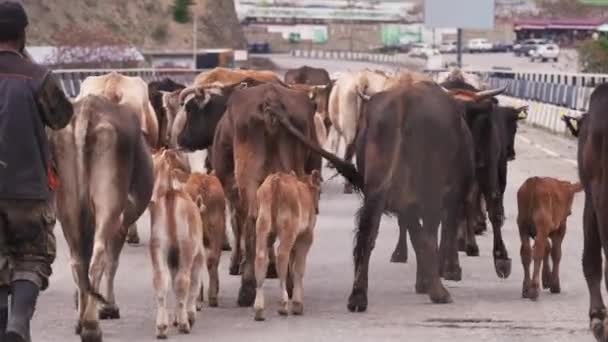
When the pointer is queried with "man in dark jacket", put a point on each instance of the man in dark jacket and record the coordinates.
(30, 101)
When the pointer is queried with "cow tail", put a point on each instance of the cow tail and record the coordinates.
(345, 168)
(86, 220)
(274, 202)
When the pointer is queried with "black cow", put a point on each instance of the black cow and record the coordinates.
(592, 134)
(307, 75)
(155, 93)
(398, 175)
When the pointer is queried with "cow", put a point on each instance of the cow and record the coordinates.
(105, 169)
(593, 167)
(544, 205)
(209, 191)
(288, 207)
(319, 94)
(248, 145)
(457, 75)
(130, 91)
(397, 175)
(176, 243)
(156, 92)
(224, 76)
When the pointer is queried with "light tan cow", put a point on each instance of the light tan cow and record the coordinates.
(176, 243)
(225, 76)
(288, 207)
(132, 92)
(319, 94)
(208, 189)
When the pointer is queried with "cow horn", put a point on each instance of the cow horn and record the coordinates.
(522, 112)
(486, 94)
(187, 91)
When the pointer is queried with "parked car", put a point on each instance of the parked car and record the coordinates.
(450, 46)
(545, 52)
(523, 48)
(423, 50)
(258, 47)
(502, 47)
(479, 45)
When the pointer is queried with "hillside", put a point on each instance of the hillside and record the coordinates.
(147, 24)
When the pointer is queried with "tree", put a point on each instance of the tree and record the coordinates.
(181, 11)
(593, 55)
(568, 8)
(94, 46)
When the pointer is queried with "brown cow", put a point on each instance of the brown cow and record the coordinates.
(288, 207)
(209, 189)
(249, 144)
(105, 169)
(176, 244)
(225, 76)
(544, 205)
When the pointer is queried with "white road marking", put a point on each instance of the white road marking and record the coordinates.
(524, 139)
(571, 161)
(548, 151)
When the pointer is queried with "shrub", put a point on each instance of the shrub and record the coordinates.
(593, 55)
(181, 10)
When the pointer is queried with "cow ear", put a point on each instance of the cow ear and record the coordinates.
(522, 113)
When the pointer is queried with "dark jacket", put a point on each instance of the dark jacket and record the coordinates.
(30, 99)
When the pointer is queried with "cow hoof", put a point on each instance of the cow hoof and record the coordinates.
(297, 308)
(90, 332)
(555, 289)
(599, 328)
(184, 328)
(357, 302)
(191, 318)
(246, 295)
(109, 312)
(259, 315)
(440, 296)
(481, 228)
(283, 308)
(422, 287)
(271, 273)
(472, 250)
(453, 273)
(199, 305)
(348, 188)
(234, 269)
(462, 246)
(78, 328)
(533, 293)
(399, 257)
(226, 247)
(213, 302)
(503, 267)
(161, 332)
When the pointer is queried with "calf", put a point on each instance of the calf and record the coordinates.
(176, 244)
(288, 207)
(209, 190)
(543, 204)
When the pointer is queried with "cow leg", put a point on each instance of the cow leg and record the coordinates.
(502, 262)
(160, 280)
(538, 255)
(286, 242)
(181, 284)
(481, 225)
(263, 229)
(592, 268)
(556, 257)
(81, 296)
(213, 261)
(272, 265)
(448, 251)
(235, 215)
(91, 332)
(299, 254)
(400, 252)
(437, 292)
(547, 268)
(111, 310)
(526, 259)
(409, 219)
(196, 279)
(226, 242)
(133, 235)
(368, 225)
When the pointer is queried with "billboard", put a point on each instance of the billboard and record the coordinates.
(466, 14)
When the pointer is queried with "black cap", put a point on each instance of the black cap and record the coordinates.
(13, 18)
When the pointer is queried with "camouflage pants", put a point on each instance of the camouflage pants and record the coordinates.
(27, 242)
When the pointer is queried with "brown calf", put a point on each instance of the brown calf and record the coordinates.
(288, 207)
(543, 204)
(209, 190)
(176, 244)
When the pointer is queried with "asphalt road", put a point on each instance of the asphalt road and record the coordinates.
(485, 308)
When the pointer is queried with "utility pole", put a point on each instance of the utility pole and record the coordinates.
(194, 40)
(459, 43)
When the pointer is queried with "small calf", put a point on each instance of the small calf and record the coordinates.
(288, 207)
(211, 194)
(544, 205)
(176, 243)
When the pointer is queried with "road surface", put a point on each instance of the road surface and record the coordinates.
(485, 308)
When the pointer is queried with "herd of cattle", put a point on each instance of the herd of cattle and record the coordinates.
(433, 153)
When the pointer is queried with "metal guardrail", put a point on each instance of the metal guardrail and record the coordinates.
(72, 79)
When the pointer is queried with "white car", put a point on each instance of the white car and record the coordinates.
(545, 52)
(423, 50)
(479, 45)
(449, 46)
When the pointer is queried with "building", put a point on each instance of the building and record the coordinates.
(564, 31)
